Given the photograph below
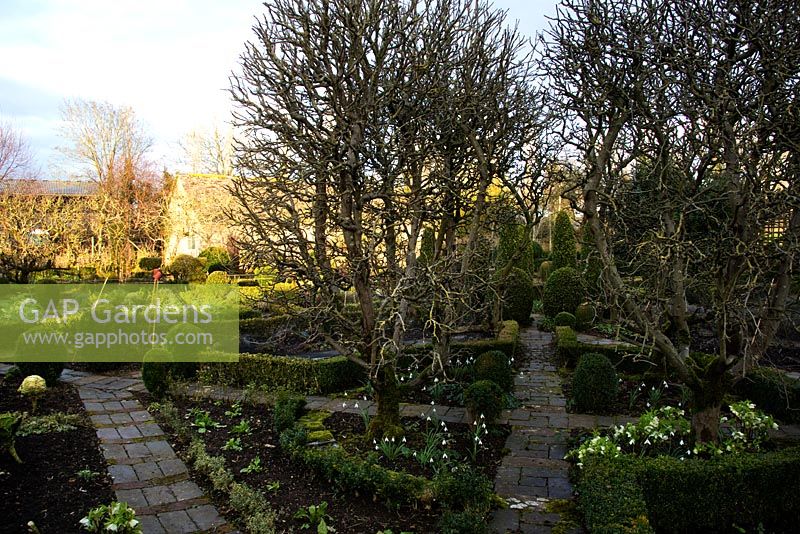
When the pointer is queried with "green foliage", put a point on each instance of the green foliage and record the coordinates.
(293, 439)
(772, 391)
(253, 467)
(462, 523)
(545, 270)
(610, 498)
(595, 383)
(564, 253)
(584, 316)
(494, 365)
(149, 263)
(515, 241)
(314, 516)
(563, 292)
(484, 397)
(217, 277)
(116, 517)
(50, 371)
(156, 375)
(518, 294)
(187, 268)
(52, 423)
(427, 247)
(348, 473)
(564, 319)
(9, 425)
(215, 256)
(288, 409)
(745, 489)
(464, 489)
(202, 421)
(312, 377)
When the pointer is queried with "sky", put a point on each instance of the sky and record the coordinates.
(170, 60)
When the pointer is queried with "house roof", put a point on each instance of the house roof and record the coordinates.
(56, 188)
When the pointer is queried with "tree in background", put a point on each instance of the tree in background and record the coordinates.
(15, 156)
(209, 151)
(692, 107)
(111, 145)
(363, 123)
(564, 252)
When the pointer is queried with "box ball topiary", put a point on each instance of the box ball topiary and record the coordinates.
(595, 383)
(485, 398)
(187, 268)
(148, 263)
(156, 370)
(50, 371)
(564, 319)
(563, 292)
(217, 277)
(518, 294)
(494, 365)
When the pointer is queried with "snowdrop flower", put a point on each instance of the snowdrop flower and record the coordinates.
(435, 380)
(356, 405)
(444, 456)
(404, 439)
(444, 442)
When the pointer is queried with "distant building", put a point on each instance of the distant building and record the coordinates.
(197, 215)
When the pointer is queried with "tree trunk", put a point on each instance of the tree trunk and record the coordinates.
(387, 394)
(706, 403)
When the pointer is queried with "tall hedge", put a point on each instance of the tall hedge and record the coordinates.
(563, 292)
(518, 294)
(564, 253)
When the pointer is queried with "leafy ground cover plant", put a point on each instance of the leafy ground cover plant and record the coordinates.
(116, 517)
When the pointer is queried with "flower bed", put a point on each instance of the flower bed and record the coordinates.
(63, 475)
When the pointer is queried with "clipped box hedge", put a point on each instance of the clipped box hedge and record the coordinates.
(310, 377)
(716, 495)
(569, 351)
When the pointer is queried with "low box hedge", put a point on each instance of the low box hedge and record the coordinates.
(569, 351)
(310, 377)
(747, 491)
(506, 341)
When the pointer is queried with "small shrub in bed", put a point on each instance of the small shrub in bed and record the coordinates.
(288, 409)
(595, 383)
(563, 292)
(494, 365)
(564, 319)
(486, 398)
(50, 371)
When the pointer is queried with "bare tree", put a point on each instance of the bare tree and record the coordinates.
(209, 151)
(682, 119)
(35, 229)
(15, 155)
(363, 123)
(112, 145)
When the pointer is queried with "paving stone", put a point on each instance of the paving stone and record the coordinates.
(160, 448)
(107, 434)
(205, 517)
(134, 497)
(141, 416)
(113, 452)
(157, 495)
(93, 407)
(121, 418)
(129, 432)
(185, 490)
(137, 450)
(98, 420)
(172, 467)
(122, 474)
(147, 471)
(504, 521)
(151, 525)
(149, 430)
(177, 522)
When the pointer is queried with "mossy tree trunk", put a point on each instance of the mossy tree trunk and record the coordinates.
(387, 395)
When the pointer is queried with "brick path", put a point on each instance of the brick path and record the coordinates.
(144, 469)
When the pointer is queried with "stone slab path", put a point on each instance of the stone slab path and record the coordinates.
(534, 472)
(145, 471)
